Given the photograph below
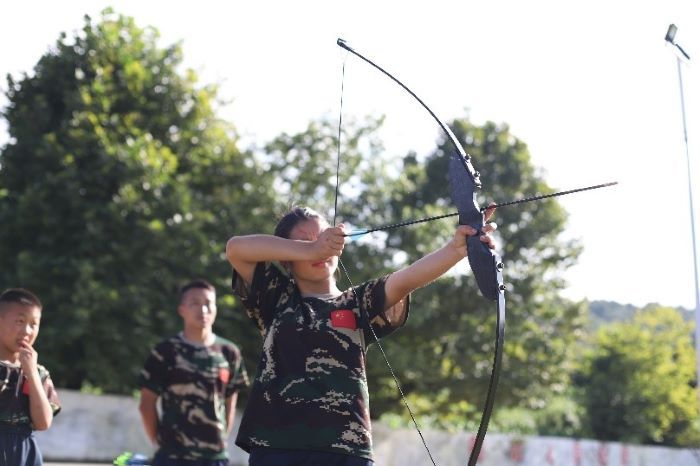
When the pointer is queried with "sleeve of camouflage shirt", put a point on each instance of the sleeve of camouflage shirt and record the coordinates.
(152, 375)
(372, 299)
(239, 378)
(50, 390)
(261, 298)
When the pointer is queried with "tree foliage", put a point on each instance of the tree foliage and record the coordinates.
(119, 183)
(459, 322)
(638, 381)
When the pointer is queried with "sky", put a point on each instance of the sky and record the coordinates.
(590, 86)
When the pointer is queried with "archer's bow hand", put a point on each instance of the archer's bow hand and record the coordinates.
(464, 231)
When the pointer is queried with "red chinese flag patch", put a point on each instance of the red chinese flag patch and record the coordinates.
(343, 318)
(224, 375)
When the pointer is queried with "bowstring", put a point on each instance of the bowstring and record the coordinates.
(352, 286)
(340, 125)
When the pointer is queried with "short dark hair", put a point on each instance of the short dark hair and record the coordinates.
(19, 296)
(197, 283)
(292, 218)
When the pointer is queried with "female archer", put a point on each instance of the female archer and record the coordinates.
(309, 401)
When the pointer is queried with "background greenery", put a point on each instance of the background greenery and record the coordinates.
(120, 182)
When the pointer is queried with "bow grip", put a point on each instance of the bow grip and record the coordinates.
(486, 266)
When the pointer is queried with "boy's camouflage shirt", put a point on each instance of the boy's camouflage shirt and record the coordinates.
(310, 391)
(14, 401)
(193, 382)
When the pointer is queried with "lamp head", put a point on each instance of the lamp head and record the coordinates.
(671, 33)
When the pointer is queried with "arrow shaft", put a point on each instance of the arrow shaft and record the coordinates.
(502, 204)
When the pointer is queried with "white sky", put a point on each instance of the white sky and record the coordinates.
(590, 86)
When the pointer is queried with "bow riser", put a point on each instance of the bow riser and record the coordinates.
(484, 262)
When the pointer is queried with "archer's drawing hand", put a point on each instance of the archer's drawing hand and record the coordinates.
(330, 242)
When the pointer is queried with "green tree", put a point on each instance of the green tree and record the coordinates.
(638, 382)
(119, 183)
(452, 328)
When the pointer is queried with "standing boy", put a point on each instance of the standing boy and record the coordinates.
(28, 400)
(197, 375)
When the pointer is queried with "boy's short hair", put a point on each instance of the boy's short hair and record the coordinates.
(19, 296)
(198, 283)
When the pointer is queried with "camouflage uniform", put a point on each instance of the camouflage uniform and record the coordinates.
(310, 391)
(193, 382)
(17, 444)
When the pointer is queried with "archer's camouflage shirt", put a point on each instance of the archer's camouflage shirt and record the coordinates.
(310, 391)
(14, 400)
(193, 382)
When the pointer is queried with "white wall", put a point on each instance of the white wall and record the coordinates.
(403, 447)
(97, 428)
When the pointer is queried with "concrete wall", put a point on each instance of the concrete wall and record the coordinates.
(403, 447)
(93, 428)
(97, 428)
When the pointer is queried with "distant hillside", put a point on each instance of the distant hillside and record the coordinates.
(605, 312)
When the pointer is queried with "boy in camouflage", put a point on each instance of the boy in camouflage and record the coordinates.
(197, 376)
(309, 403)
(28, 400)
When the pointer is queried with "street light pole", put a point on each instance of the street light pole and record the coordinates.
(670, 35)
